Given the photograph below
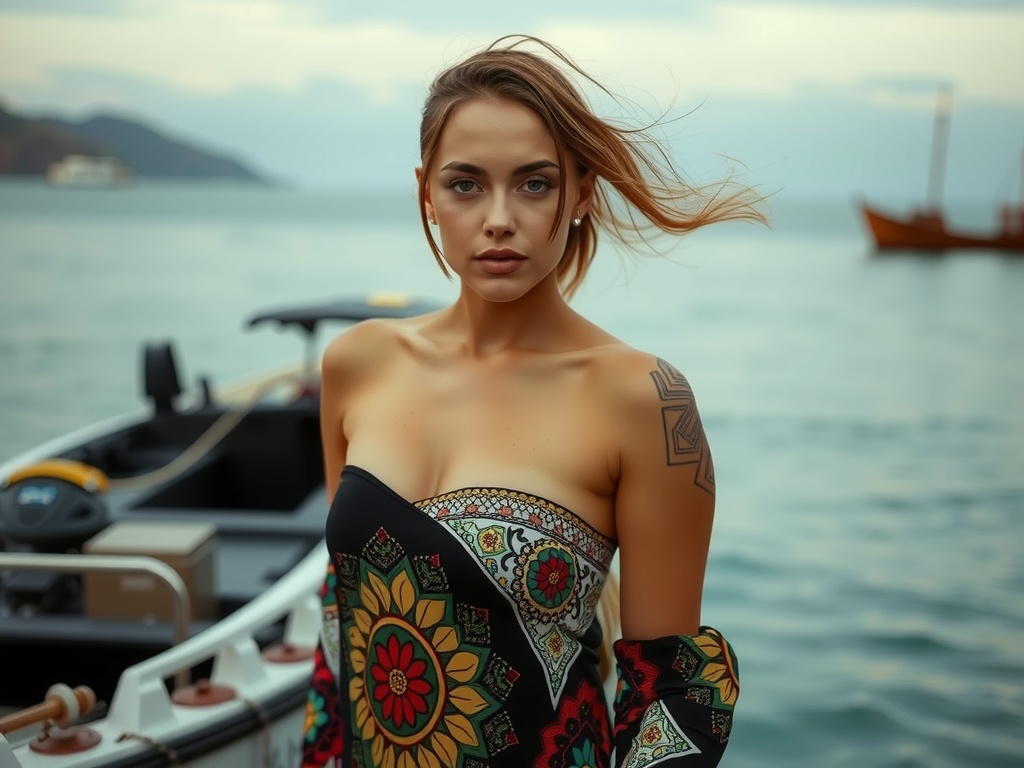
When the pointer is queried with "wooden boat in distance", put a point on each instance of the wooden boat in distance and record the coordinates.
(926, 231)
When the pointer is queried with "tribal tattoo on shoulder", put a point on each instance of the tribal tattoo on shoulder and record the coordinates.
(685, 442)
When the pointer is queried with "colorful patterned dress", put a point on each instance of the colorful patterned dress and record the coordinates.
(460, 631)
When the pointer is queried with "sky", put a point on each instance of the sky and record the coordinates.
(811, 98)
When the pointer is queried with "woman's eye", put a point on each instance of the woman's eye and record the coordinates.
(464, 186)
(536, 185)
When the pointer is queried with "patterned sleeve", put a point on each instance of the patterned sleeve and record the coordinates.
(321, 743)
(674, 700)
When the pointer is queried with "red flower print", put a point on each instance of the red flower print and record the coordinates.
(399, 683)
(553, 574)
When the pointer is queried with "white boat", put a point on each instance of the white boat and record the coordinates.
(192, 681)
(88, 171)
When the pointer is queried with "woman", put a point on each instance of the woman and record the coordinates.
(485, 462)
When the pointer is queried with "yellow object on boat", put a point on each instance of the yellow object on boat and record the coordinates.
(385, 299)
(82, 475)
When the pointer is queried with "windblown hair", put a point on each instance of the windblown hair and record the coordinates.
(628, 162)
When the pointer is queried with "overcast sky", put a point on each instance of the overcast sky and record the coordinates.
(813, 97)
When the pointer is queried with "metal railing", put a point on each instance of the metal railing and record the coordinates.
(22, 561)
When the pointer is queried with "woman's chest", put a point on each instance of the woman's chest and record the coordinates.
(543, 434)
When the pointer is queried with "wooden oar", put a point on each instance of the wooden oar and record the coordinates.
(63, 705)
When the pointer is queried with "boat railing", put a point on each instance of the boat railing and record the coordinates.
(29, 561)
(142, 706)
(141, 701)
(7, 758)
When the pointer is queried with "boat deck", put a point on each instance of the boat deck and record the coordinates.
(261, 487)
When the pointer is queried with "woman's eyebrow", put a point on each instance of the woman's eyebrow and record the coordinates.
(476, 170)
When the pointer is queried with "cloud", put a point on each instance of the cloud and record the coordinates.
(761, 49)
(217, 46)
(778, 50)
(310, 93)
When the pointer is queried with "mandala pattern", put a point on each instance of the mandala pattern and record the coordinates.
(330, 632)
(321, 731)
(546, 582)
(421, 694)
(659, 739)
(691, 681)
(549, 564)
(467, 639)
(580, 737)
(634, 690)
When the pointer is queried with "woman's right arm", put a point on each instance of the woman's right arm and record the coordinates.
(335, 378)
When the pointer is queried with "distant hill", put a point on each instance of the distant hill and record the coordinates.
(29, 145)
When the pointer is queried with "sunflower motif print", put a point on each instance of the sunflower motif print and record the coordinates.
(468, 639)
(418, 688)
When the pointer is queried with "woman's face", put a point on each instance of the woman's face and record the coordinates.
(493, 191)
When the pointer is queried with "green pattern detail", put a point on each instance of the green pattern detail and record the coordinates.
(429, 574)
(474, 624)
(499, 734)
(659, 739)
(348, 572)
(382, 550)
(500, 677)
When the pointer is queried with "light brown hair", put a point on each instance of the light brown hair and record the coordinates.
(628, 162)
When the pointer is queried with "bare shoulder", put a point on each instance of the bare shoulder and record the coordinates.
(656, 397)
(362, 349)
(637, 378)
(656, 408)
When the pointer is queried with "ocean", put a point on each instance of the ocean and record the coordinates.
(865, 414)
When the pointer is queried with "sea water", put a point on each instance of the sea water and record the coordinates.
(865, 414)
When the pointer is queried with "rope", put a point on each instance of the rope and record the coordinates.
(216, 432)
(264, 718)
(170, 754)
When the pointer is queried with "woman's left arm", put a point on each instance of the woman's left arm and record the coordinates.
(678, 680)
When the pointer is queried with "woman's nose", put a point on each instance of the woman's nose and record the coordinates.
(500, 220)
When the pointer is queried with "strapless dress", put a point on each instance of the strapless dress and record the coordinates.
(460, 631)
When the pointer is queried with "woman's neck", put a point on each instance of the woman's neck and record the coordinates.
(538, 321)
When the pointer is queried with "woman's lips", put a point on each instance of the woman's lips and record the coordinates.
(499, 262)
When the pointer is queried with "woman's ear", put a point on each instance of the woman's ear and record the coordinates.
(428, 206)
(585, 198)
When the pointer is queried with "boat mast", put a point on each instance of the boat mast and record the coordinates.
(940, 148)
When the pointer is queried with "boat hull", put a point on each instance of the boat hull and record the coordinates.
(925, 232)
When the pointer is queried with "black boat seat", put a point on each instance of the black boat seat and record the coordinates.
(160, 375)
